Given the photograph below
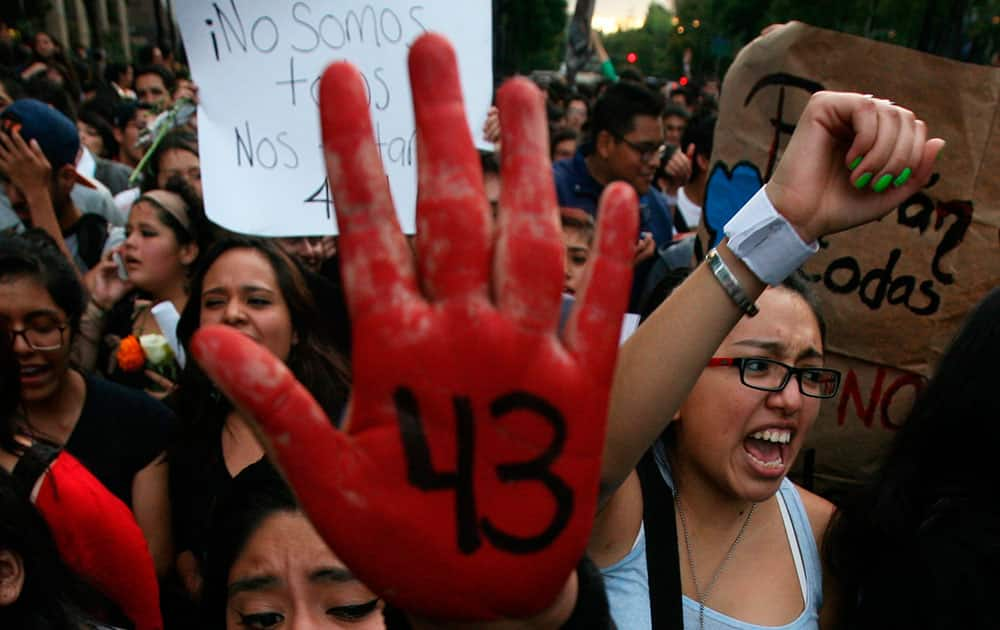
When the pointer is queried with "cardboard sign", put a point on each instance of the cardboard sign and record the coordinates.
(257, 64)
(894, 291)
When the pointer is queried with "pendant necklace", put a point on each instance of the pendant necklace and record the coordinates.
(703, 595)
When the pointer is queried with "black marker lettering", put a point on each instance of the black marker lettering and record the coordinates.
(262, 156)
(291, 150)
(226, 24)
(245, 145)
(538, 469)
(384, 105)
(360, 22)
(413, 17)
(420, 469)
(312, 31)
(322, 195)
(292, 80)
(395, 20)
(264, 20)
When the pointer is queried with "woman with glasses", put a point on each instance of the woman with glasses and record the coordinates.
(117, 433)
(722, 465)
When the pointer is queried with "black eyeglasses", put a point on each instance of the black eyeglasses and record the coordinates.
(772, 376)
(41, 334)
(646, 150)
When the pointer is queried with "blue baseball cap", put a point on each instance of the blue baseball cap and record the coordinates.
(55, 133)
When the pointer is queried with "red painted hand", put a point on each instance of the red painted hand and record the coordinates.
(464, 482)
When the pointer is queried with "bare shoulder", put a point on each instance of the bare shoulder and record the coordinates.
(819, 511)
(617, 524)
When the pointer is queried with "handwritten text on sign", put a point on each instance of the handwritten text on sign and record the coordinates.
(257, 64)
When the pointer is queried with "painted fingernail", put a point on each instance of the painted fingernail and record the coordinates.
(863, 181)
(903, 177)
(882, 183)
(854, 164)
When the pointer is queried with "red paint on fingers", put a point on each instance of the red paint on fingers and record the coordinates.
(454, 245)
(530, 257)
(377, 260)
(593, 330)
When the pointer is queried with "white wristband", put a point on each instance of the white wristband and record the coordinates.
(766, 241)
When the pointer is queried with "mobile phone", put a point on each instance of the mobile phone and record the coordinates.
(122, 271)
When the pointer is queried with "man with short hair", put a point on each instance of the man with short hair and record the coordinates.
(38, 152)
(625, 143)
(576, 113)
(675, 121)
(130, 119)
(154, 85)
(691, 196)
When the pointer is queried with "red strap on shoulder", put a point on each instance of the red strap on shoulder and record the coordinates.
(98, 538)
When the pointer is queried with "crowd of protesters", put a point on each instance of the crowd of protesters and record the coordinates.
(134, 493)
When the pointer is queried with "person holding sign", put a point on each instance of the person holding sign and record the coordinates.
(464, 481)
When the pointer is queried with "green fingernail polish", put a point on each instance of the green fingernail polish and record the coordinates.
(903, 177)
(854, 164)
(882, 183)
(863, 181)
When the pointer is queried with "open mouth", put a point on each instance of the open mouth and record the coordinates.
(768, 448)
(31, 373)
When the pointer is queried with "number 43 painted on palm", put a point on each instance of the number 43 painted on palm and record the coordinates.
(470, 527)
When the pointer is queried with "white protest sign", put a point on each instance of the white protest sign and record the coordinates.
(257, 64)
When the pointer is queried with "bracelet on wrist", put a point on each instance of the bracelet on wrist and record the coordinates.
(729, 283)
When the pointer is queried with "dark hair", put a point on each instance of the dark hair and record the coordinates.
(10, 391)
(180, 139)
(489, 162)
(577, 219)
(686, 92)
(616, 109)
(195, 213)
(114, 71)
(89, 116)
(631, 75)
(42, 88)
(34, 255)
(11, 83)
(880, 525)
(169, 81)
(49, 589)
(125, 110)
(255, 494)
(313, 360)
(561, 134)
(797, 283)
(673, 109)
(700, 132)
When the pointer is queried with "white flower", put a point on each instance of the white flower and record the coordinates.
(157, 350)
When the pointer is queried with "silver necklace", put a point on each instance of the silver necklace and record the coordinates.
(703, 595)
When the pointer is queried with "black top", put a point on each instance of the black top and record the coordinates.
(946, 575)
(120, 432)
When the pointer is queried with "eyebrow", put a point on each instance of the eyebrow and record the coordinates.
(777, 348)
(246, 288)
(254, 583)
(44, 311)
(332, 574)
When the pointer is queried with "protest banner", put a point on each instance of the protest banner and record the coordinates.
(257, 64)
(894, 291)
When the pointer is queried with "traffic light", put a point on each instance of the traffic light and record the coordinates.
(683, 81)
(631, 57)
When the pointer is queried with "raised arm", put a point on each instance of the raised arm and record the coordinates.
(815, 190)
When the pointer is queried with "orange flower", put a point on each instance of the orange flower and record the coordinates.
(130, 355)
